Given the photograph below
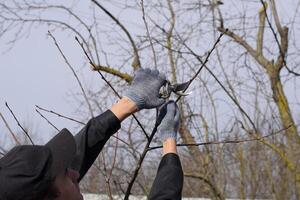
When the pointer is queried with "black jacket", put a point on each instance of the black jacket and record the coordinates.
(91, 139)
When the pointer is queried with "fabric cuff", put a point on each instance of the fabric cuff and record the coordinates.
(170, 159)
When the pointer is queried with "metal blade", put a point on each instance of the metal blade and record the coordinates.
(180, 87)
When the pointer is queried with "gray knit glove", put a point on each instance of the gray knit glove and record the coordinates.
(144, 89)
(168, 120)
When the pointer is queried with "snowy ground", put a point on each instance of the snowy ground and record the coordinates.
(105, 197)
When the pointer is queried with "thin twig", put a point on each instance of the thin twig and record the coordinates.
(26, 133)
(74, 120)
(108, 83)
(225, 141)
(46, 119)
(10, 131)
(148, 34)
(74, 73)
(59, 115)
(135, 50)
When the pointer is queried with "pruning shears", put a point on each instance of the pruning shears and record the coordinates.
(166, 90)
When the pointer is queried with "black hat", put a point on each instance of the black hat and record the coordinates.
(27, 170)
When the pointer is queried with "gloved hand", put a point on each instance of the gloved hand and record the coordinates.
(168, 119)
(144, 89)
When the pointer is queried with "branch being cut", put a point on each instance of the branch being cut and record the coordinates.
(146, 148)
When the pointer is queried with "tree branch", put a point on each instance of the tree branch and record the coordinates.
(10, 131)
(113, 71)
(136, 61)
(26, 133)
(261, 28)
(74, 73)
(46, 119)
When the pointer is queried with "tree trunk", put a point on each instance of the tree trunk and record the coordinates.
(293, 139)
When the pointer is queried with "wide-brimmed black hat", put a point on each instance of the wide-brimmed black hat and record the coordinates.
(27, 170)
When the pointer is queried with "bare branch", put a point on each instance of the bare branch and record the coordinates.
(59, 115)
(113, 71)
(136, 61)
(284, 38)
(261, 28)
(148, 34)
(10, 131)
(46, 119)
(261, 60)
(226, 141)
(74, 73)
(25, 132)
(169, 41)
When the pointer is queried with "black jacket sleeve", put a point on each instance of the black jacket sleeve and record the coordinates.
(91, 139)
(169, 179)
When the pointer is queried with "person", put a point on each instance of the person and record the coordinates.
(54, 170)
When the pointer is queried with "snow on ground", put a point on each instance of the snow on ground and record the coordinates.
(105, 197)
